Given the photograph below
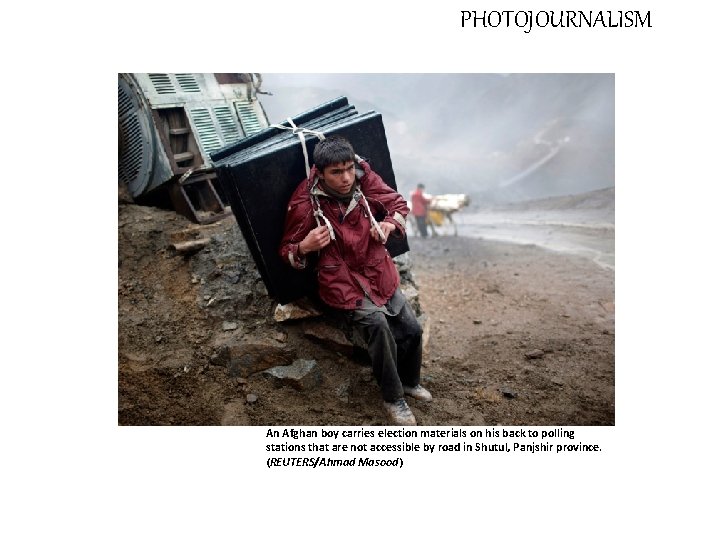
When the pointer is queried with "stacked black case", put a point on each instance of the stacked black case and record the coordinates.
(258, 174)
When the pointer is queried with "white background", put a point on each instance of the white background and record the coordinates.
(68, 470)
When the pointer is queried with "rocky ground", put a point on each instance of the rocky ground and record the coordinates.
(516, 335)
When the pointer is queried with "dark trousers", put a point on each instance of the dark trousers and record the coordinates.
(395, 349)
(422, 225)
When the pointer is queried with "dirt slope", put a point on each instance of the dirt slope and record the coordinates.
(517, 336)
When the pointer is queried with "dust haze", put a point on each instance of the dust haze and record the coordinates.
(501, 138)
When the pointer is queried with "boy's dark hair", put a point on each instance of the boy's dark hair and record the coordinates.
(334, 149)
(421, 186)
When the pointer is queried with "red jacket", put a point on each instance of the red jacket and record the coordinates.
(353, 264)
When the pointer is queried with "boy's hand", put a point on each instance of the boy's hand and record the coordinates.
(315, 240)
(386, 228)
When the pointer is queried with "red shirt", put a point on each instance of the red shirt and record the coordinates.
(420, 203)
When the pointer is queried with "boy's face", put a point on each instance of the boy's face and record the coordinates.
(340, 176)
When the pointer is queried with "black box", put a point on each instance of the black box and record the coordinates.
(260, 179)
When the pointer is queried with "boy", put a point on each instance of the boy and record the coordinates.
(332, 214)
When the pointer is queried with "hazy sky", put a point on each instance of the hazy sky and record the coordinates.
(495, 136)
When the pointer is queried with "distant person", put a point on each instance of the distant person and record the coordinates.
(330, 221)
(420, 203)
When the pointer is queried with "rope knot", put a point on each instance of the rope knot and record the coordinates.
(300, 132)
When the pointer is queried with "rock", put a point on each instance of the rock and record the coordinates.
(229, 325)
(251, 398)
(342, 391)
(409, 291)
(477, 321)
(302, 374)
(507, 393)
(295, 311)
(245, 358)
(330, 336)
(534, 354)
(403, 262)
(424, 321)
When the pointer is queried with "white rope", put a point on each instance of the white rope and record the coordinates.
(373, 222)
(319, 212)
(300, 132)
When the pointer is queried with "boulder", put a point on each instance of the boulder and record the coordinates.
(294, 311)
(331, 337)
(302, 374)
(242, 359)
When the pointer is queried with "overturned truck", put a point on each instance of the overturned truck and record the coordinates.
(170, 123)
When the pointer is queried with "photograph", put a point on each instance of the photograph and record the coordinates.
(366, 249)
